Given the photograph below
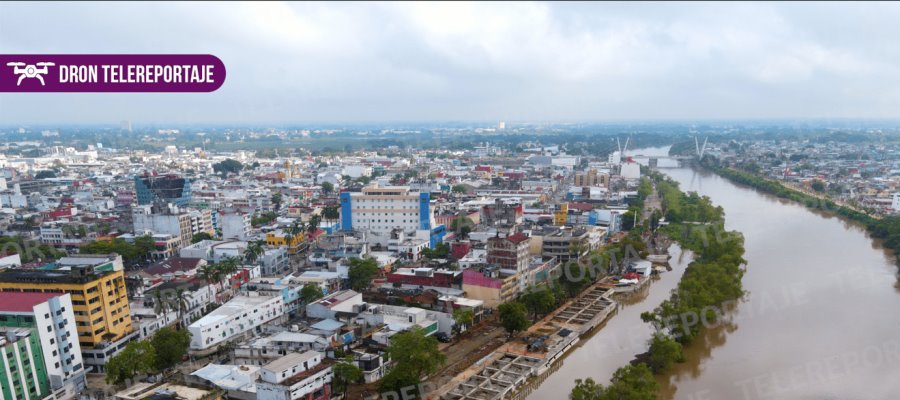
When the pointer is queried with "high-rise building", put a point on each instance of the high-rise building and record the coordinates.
(99, 303)
(379, 210)
(162, 189)
(46, 322)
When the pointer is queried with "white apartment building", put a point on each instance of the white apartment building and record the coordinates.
(51, 317)
(295, 376)
(235, 225)
(379, 210)
(238, 316)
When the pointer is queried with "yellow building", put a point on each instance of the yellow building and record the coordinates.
(561, 214)
(279, 238)
(99, 299)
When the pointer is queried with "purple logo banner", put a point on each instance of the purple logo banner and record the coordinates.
(110, 73)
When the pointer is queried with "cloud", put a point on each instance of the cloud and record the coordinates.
(302, 62)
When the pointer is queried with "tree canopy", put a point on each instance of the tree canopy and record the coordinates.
(361, 272)
(170, 346)
(514, 317)
(228, 166)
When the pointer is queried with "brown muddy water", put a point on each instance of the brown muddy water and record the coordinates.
(821, 318)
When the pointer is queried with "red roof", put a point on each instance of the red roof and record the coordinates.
(519, 237)
(23, 301)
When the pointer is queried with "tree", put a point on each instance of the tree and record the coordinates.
(310, 293)
(331, 213)
(586, 390)
(44, 174)
(200, 236)
(170, 346)
(361, 272)
(160, 303)
(138, 357)
(663, 352)
(276, 200)
(229, 166)
(415, 354)
(227, 267)
(313, 224)
(179, 300)
(210, 273)
(818, 185)
(459, 189)
(463, 317)
(345, 372)
(327, 187)
(514, 317)
(253, 251)
(539, 301)
(632, 382)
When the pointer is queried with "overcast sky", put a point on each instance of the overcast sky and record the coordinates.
(322, 62)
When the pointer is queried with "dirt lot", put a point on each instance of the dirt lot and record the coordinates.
(464, 351)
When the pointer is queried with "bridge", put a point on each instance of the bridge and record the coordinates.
(669, 161)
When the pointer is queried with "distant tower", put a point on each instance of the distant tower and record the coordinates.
(501, 125)
(125, 125)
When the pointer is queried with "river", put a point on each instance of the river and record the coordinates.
(821, 318)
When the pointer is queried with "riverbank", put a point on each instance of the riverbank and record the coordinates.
(712, 280)
(884, 228)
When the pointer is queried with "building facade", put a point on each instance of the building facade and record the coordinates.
(51, 345)
(99, 302)
(238, 316)
(162, 189)
(379, 210)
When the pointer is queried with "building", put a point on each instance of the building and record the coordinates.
(490, 285)
(379, 210)
(295, 376)
(99, 302)
(510, 253)
(281, 238)
(570, 244)
(172, 221)
(38, 330)
(235, 225)
(24, 373)
(344, 301)
(162, 189)
(240, 315)
(591, 178)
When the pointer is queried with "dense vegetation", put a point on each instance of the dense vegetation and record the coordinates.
(415, 356)
(28, 250)
(711, 281)
(886, 228)
(131, 253)
(164, 350)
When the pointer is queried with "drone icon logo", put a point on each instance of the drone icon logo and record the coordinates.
(36, 70)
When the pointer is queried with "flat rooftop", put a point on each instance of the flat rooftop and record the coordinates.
(23, 302)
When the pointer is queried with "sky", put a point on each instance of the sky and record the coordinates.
(516, 62)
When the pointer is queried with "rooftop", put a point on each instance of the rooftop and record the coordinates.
(23, 302)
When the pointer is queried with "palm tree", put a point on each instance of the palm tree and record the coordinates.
(209, 273)
(313, 224)
(160, 303)
(254, 250)
(180, 302)
(227, 267)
